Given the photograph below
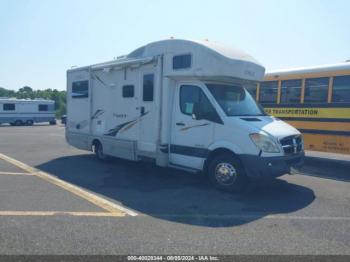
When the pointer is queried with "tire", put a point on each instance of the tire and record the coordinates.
(18, 123)
(98, 150)
(52, 123)
(227, 173)
(29, 122)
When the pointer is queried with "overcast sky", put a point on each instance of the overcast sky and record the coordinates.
(41, 39)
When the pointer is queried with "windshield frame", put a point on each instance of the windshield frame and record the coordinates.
(234, 85)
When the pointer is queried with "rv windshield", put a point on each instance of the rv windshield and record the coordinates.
(235, 100)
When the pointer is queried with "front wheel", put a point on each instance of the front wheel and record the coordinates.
(227, 173)
(18, 123)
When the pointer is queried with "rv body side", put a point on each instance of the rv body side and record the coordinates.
(26, 112)
(114, 111)
(161, 103)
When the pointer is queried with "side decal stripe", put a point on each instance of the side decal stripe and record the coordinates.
(189, 151)
(325, 132)
(315, 119)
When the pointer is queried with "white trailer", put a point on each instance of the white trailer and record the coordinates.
(181, 104)
(26, 111)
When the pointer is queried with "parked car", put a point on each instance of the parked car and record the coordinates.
(64, 119)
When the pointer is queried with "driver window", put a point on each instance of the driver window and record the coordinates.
(190, 95)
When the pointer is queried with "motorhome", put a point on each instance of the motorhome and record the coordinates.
(181, 104)
(26, 111)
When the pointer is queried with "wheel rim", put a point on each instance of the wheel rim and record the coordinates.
(225, 174)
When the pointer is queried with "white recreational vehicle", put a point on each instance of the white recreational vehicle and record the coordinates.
(26, 111)
(181, 104)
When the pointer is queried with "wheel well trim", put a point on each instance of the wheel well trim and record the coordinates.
(221, 147)
(94, 141)
(227, 146)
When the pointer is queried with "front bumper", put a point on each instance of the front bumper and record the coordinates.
(270, 167)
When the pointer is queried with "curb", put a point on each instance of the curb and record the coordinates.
(331, 168)
(312, 160)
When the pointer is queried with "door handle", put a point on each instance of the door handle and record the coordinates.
(180, 124)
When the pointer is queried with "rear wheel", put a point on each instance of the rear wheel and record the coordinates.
(98, 149)
(29, 122)
(227, 173)
(53, 122)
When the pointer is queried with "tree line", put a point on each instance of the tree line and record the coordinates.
(27, 92)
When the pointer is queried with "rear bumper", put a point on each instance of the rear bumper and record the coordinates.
(270, 167)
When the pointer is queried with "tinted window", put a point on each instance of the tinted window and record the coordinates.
(290, 91)
(182, 61)
(191, 95)
(251, 88)
(80, 89)
(148, 86)
(316, 90)
(341, 89)
(128, 91)
(268, 92)
(43, 107)
(9, 107)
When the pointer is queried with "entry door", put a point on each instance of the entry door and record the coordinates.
(148, 114)
(190, 137)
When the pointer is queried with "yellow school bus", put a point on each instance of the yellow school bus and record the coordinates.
(315, 100)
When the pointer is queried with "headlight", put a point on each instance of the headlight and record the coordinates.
(264, 143)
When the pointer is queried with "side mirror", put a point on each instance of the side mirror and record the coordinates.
(197, 113)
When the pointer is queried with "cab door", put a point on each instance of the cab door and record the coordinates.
(191, 133)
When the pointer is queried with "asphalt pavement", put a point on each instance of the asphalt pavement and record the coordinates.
(55, 199)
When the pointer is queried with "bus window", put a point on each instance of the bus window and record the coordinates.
(341, 89)
(251, 88)
(268, 92)
(291, 91)
(316, 90)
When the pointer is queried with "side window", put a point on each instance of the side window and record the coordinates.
(290, 91)
(182, 61)
(316, 90)
(191, 95)
(128, 91)
(341, 89)
(43, 108)
(148, 87)
(9, 107)
(80, 89)
(268, 92)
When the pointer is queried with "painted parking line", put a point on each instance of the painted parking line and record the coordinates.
(15, 174)
(60, 213)
(96, 200)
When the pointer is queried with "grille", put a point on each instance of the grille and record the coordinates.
(292, 144)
